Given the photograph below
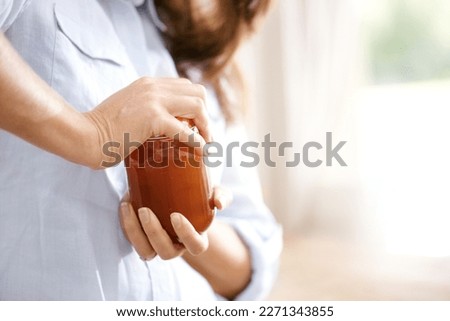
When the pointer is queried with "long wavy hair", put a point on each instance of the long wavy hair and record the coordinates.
(202, 37)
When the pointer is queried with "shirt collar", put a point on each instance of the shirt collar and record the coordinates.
(137, 3)
(150, 4)
(154, 16)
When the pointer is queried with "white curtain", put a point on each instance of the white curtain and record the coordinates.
(302, 69)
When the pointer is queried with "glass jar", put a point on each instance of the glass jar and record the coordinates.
(166, 176)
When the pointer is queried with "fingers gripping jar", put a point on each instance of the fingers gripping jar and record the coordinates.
(167, 176)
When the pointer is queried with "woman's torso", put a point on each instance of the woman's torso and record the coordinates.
(60, 237)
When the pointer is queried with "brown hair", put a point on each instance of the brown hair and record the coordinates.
(202, 37)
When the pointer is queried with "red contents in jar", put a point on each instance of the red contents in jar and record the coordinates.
(166, 176)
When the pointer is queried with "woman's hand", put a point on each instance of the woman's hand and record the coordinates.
(219, 255)
(34, 111)
(148, 107)
(145, 233)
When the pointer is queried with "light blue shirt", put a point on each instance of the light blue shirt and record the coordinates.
(60, 237)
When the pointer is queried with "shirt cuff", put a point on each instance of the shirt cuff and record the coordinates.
(264, 252)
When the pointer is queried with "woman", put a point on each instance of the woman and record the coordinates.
(75, 75)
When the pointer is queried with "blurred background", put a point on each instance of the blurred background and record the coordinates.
(375, 73)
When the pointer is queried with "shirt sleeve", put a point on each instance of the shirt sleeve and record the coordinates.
(9, 11)
(251, 219)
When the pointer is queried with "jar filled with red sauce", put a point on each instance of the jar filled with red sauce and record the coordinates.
(167, 176)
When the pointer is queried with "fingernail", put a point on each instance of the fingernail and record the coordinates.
(144, 216)
(175, 219)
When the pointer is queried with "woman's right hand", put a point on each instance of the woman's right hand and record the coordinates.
(147, 107)
(34, 111)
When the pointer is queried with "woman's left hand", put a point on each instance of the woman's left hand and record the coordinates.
(145, 233)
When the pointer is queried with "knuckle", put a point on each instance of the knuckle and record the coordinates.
(202, 90)
(129, 229)
(145, 80)
(129, 226)
(185, 80)
(183, 234)
(149, 229)
(198, 103)
(152, 88)
(194, 242)
(199, 248)
(148, 85)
